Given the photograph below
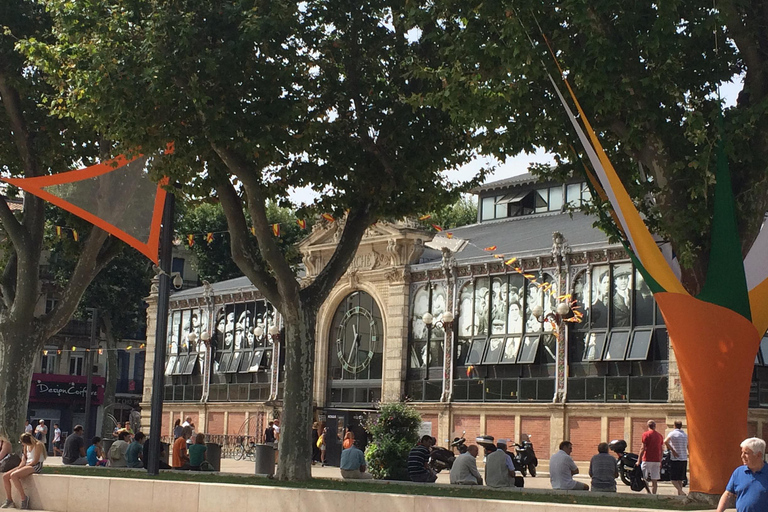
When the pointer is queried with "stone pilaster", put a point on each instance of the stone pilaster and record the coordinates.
(395, 342)
(149, 362)
(674, 385)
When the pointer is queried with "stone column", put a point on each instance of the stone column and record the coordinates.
(149, 362)
(395, 362)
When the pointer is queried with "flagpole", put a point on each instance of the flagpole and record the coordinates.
(161, 333)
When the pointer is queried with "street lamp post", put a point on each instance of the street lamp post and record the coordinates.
(562, 313)
(445, 322)
(89, 370)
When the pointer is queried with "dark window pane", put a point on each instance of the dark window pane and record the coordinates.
(617, 346)
(639, 389)
(374, 395)
(361, 395)
(178, 393)
(418, 358)
(415, 391)
(476, 390)
(511, 347)
(576, 389)
(499, 298)
(644, 303)
(476, 352)
(460, 390)
(465, 319)
(527, 389)
(548, 349)
(493, 390)
(546, 389)
(595, 389)
(488, 208)
(347, 395)
(168, 393)
(528, 350)
(482, 305)
(616, 389)
(494, 351)
(435, 353)
(641, 342)
(764, 349)
(509, 389)
(462, 351)
(659, 389)
(433, 390)
(579, 295)
(335, 395)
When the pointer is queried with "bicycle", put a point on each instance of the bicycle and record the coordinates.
(245, 450)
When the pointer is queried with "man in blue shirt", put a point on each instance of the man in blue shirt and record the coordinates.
(748, 483)
(353, 464)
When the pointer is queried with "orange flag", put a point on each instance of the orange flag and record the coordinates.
(437, 228)
(425, 217)
(276, 229)
(74, 235)
(253, 231)
(209, 238)
(58, 231)
(302, 223)
(328, 217)
(490, 249)
(191, 240)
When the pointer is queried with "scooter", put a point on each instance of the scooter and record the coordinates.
(442, 458)
(525, 458)
(626, 461)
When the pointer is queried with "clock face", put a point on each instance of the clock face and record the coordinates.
(356, 339)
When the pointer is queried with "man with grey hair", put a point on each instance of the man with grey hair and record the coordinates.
(748, 485)
(499, 468)
(603, 470)
(464, 470)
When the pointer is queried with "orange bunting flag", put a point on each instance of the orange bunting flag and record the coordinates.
(498, 256)
(510, 261)
(253, 231)
(302, 223)
(490, 249)
(209, 238)
(449, 235)
(191, 240)
(425, 217)
(328, 217)
(75, 235)
(469, 370)
(276, 229)
(58, 231)
(437, 228)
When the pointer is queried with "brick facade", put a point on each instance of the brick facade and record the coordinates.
(235, 425)
(585, 435)
(501, 427)
(468, 423)
(538, 428)
(615, 429)
(216, 423)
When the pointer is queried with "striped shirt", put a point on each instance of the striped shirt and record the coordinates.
(679, 441)
(418, 456)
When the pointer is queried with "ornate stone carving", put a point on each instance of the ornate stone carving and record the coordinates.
(353, 278)
(310, 261)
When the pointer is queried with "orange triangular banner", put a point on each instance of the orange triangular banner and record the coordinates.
(116, 195)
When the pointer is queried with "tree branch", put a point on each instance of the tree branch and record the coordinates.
(285, 279)
(357, 221)
(8, 280)
(242, 253)
(92, 260)
(12, 226)
(12, 103)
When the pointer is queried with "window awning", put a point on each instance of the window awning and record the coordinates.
(516, 198)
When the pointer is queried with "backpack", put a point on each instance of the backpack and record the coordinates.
(115, 453)
(636, 480)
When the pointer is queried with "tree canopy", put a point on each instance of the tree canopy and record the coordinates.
(647, 75)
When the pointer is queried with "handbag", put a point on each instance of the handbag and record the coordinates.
(9, 462)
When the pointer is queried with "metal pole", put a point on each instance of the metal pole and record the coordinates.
(161, 333)
(89, 381)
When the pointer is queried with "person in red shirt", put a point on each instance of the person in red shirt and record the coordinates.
(650, 456)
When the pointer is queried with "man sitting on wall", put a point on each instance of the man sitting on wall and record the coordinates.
(74, 448)
(499, 468)
(562, 468)
(352, 465)
(464, 470)
(418, 462)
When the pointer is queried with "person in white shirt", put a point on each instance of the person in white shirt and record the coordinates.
(27, 427)
(677, 443)
(562, 468)
(56, 440)
(276, 428)
(464, 470)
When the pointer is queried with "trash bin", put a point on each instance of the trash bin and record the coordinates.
(213, 455)
(166, 449)
(265, 459)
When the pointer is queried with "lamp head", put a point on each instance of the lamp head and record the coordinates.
(258, 331)
(427, 318)
(205, 336)
(178, 281)
(447, 317)
(563, 309)
(192, 337)
(273, 329)
(537, 312)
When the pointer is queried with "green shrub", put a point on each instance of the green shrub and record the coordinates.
(394, 431)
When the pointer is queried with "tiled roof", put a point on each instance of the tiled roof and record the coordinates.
(522, 179)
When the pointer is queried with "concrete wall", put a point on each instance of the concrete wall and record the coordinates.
(60, 493)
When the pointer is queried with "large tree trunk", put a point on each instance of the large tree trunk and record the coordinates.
(18, 348)
(715, 350)
(110, 386)
(295, 458)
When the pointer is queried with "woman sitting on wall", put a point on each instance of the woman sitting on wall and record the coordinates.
(33, 455)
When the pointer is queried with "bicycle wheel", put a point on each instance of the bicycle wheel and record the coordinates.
(240, 452)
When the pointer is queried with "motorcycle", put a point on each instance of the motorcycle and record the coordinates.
(442, 458)
(626, 461)
(525, 458)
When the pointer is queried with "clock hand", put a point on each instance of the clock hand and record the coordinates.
(355, 344)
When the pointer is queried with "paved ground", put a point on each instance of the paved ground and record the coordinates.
(540, 482)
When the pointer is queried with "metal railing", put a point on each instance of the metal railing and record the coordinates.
(230, 443)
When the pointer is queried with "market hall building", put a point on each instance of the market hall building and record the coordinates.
(498, 369)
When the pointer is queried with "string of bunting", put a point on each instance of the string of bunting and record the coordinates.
(209, 236)
(61, 229)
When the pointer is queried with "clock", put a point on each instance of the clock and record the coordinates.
(356, 339)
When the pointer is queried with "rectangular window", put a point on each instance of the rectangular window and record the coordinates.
(181, 364)
(593, 347)
(245, 364)
(511, 347)
(189, 367)
(178, 266)
(555, 199)
(764, 350)
(76, 364)
(226, 358)
(542, 201)
(476, 352)
(641, 342)
(49, 363)
(528, 350)
(494, 351)
(170, 366)
(501, 208)
(617, 346)
(573, 194)
(488, 208)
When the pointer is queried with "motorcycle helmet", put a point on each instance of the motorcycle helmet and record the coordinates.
(618, 445)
